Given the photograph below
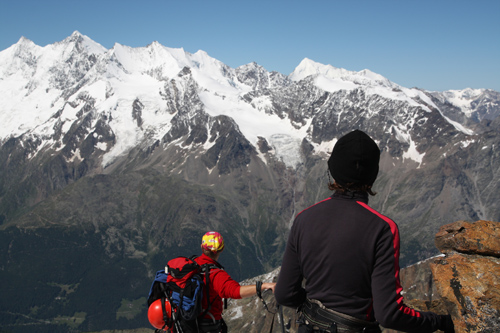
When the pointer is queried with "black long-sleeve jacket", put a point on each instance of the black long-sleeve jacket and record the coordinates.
(349, 255)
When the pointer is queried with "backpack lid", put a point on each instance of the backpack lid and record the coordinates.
(182, 269)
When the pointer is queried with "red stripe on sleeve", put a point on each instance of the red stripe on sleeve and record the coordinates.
(395, 242)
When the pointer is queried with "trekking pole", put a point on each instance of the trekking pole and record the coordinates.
(178, 328)
(280, 309)
(173, 313)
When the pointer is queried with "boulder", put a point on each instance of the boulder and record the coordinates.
(468, 276)
(481, 238)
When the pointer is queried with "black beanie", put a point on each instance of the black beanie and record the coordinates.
(354, 159)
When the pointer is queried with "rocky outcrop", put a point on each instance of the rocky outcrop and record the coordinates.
(468, 276)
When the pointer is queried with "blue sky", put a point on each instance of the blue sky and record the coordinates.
(430, 44)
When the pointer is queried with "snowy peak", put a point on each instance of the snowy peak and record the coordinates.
(57, 63)
(308, 67)
(332, 79)
(23, 52)
(475, 104)
(259, 78)
(25, 43)
(163, 64)
(83, 43)
(23, 46)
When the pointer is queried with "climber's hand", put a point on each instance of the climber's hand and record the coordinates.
(446, 324)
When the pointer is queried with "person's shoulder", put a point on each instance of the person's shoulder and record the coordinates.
(314, 206)
(378, 215)
(219, 274)
(199, 260)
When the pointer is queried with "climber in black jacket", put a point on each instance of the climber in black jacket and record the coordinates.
(348, 254)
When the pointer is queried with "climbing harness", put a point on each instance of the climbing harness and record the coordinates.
(327, 320)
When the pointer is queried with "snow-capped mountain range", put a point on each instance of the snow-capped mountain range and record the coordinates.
(44, 88)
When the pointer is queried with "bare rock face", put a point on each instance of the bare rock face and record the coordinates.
(481, 238)
(468, 276)
(418, 283)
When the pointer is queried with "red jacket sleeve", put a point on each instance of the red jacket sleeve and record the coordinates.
(224, 285)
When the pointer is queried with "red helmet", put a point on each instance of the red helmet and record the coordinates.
(155, 313)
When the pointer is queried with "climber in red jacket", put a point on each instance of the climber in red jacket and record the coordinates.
(221, 284)
(348, 255)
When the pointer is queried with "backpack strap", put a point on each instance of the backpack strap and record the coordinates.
(206, 269)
